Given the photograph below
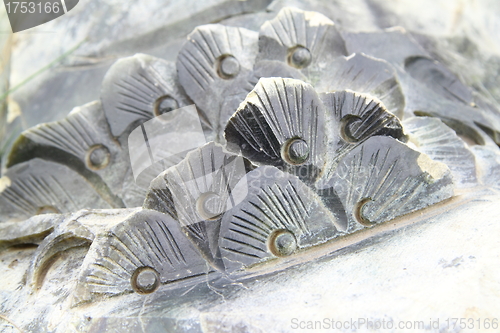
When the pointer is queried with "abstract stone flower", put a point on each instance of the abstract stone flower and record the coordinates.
(302, 136)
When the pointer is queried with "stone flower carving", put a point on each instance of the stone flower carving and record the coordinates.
(311, 137)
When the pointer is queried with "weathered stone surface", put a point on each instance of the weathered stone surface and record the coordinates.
(282, 123)
(279, 216)
(215, 243)
(374, 44)
(31, 231)
(198, 192)
(355, 118)
(82, 141)
(303, 40)
(366, 75)
(382, 179)
(137, 89)
(215, 68)
(119, 260)
(441, 143)
(45, 82)
(41, 187)
(446, 95)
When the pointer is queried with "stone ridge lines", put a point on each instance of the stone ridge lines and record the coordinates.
(315, 164)
(149, 85)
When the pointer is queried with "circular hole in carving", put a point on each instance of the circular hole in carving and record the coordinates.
(97, 157)
(210, 206)
(145, 280)
(282, 243)
(359, 212)
(227, 66)
(299, 56)
(347, 124)
(47, 210)
(295, 151)
(164, 105)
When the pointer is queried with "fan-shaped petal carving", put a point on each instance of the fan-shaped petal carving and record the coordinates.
(448, 98)
(81, 141)
(215, 67)
(136, 89)
(38, 187)
(198, 191)
(366, 75)
(304, 40)
(280, 215)
(383, 178)
(357, 118)
(146, 239)
(282, 123)
(154, 147)
(432, 137)
(85, 127)
(445, 95)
